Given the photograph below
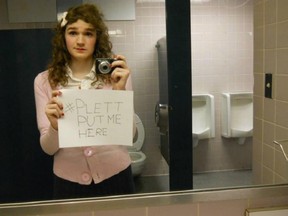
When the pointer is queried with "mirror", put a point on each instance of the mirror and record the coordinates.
(132, 39)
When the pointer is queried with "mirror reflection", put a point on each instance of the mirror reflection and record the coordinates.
(222, 89)
(222, 34)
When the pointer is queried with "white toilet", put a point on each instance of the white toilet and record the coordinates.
(137, 156)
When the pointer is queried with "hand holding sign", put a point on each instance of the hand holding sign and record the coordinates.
(96, 117)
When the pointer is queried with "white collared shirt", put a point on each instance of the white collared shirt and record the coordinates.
(88, 82)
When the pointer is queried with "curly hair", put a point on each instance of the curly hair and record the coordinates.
(60, 55)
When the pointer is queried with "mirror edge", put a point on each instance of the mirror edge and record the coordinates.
(143, 200)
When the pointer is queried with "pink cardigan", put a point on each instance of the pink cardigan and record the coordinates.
(82, 164)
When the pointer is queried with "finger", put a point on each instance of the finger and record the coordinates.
(120, 57)
(56, 93)
(51, 114)
(119, 64)
(55, 100)
(53, 110)
(120, 73)
(54, 106)
(120, 61)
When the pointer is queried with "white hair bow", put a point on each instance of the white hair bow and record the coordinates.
(63, 20)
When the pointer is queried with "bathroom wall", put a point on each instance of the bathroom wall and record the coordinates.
(216, 208)
(222, 61)
(137, 43)
(271, 115)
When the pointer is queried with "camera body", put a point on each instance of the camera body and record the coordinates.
(103, 65)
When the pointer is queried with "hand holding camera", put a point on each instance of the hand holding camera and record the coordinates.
(104, 65)
(118, 69)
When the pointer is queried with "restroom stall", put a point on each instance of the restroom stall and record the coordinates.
(173, 111)
(162, 107)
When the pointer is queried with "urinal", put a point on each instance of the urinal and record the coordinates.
(237, 115)
(203, 117)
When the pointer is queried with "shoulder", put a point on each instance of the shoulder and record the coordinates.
(42, 77)
(41, 80)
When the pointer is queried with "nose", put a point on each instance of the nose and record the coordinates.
(80, 40)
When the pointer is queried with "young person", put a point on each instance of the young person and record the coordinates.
(81, 36)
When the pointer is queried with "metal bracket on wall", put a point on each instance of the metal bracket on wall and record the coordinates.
(281, 146)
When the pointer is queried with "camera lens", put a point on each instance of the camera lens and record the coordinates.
(104, 67)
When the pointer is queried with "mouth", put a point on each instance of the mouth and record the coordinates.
(80, 49)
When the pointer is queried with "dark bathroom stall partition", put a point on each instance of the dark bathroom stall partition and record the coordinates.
(178, 39)
(26, 171)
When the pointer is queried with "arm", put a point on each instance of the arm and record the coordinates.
(48, 134)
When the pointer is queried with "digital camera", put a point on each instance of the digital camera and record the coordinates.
(103, 65)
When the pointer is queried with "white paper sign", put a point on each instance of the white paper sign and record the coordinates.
(96, 117)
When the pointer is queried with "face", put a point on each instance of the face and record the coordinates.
(80, 40)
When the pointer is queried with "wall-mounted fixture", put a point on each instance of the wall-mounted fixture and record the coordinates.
(237, 115)
(268, 85)
(27, 11)
(203, 120)
(115, 9)
(279, 143)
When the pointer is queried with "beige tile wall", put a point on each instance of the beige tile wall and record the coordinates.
(222, 61)
(271, 115)
(138, 44)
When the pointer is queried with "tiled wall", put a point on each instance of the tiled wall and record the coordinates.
(138, 44)
(222, 61)
(216, 208)
(271, 115)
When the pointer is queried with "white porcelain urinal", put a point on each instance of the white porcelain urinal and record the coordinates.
(203, 117)
(237, 115)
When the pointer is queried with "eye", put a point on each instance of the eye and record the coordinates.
(72, 33)
(89, 34)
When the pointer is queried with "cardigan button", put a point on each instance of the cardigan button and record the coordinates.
(86, 177)
(88, 152)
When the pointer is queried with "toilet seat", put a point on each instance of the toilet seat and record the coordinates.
(138, 158)
(137, 145)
